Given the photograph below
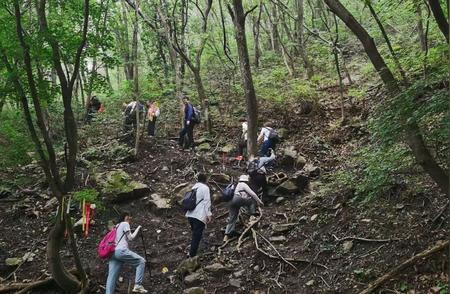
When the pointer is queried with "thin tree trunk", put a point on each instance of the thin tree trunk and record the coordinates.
(301, 41)
(420, 29)
(256, 30)
(388, 42)
(238, 17)
(439, 16)
(413, 136)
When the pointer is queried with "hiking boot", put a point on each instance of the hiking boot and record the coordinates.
(139, 289)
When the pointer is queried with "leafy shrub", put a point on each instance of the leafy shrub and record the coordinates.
(15, 141)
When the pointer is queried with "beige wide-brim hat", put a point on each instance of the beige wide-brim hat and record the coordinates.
(243, 178)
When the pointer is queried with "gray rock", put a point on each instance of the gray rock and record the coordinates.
(300, 162)
(238, 274)
(235, 283)
(216, 269)
(279, 229)
(193, 279)
(347, 246)
(312, 171)
(118, 186)
(227, 148)
(12, 261)
(194, 290)
(279, 200)
(314, 217)
(159, 202)
(256, 268)
(188, 266)
(204, 147)
(287, 187)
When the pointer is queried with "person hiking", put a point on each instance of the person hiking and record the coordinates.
(201, 214)
(123, 255)
(93, 108)
(268, 137)
(152, 114)
(130, 115)
(257, 171)
(188, 125)
(243, 196)
(243, 140)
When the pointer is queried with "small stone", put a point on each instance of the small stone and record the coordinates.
(204, 147)
(238, 274)
(310, 283)
(279, 200)
(278, 239)
(314, 217)
(235, 283)
(165, 168)
(194, 290)
(216, 269)
(400, 206)
(347, 246)
(303, 218)
(120, 279)
(12, 261)
(193, 279)
(256, 268)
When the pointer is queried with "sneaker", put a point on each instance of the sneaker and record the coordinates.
(139, 289)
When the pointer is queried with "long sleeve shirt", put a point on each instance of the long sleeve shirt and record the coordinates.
(264, 134)
(123, 235)
(244, 190)
(203, 209)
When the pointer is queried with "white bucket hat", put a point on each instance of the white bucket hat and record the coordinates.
(243, 178)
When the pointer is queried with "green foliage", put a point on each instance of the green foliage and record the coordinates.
(89, 195)
(373, 171)
(15, 142)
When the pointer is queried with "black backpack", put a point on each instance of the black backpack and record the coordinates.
(252, 167)
(196, 115)
(190, 200)
(228, 193)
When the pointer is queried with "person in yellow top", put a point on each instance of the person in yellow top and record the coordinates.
(152, 114)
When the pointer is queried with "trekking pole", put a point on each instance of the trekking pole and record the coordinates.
(147, 263)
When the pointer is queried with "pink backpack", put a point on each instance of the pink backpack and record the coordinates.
(107, 245)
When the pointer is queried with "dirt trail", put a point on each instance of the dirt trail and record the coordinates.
(320, 226)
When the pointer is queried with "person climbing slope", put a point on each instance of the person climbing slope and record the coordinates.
(258, 171)
(201, 214)
(152, 114)
(243, 196)
(243, 139)
(123, 255)
(269, 139)
(188, 125)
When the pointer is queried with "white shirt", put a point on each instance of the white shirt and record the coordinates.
(243, 190)
(124, 230)
(203, 209)
(244, 130)
(265, 131)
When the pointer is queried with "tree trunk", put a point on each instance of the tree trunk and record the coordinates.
(274, 35)
(420, 30)
(203, 99)
(388, 42)
(238, 16)
(2, 103)
(439, 16)
(256, 30)
(414, 138)
(300, 39)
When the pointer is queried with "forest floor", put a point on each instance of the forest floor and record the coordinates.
(343, 244)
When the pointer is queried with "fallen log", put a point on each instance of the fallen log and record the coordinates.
(426, 253)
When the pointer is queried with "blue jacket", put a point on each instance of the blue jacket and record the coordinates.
(188, 112)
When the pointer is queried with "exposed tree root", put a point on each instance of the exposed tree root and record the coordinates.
(248, 228)
(365, 239)
(285, 259)
(426, 253)
(24, 287)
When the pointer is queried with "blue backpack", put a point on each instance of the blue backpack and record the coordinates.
(190, 200)
(228, 193)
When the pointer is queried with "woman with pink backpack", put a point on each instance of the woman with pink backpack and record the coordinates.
(124, 255)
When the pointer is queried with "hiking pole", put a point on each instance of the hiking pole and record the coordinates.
(147, 263)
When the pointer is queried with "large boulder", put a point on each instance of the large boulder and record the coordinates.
(188, 266)
(287, 187)
(118, 186)
(193, 279)
(159, 202)
(290, 158)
